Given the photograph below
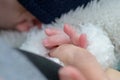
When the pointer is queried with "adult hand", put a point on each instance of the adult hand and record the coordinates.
(81, 59)
(70, 73)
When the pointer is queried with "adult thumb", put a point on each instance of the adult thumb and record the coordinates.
(70, 73)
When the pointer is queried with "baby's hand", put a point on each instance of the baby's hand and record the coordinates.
(69, 35)
(55, 37)
(76, 39)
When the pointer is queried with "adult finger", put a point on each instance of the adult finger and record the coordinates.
(65, 53)
(70, 73)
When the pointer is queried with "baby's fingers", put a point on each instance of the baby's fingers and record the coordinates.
(78, 40)
(71, 33)
(53, 31)
(83, 41)
(56, 40)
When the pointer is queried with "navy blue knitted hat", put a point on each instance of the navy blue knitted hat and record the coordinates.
(47, 10)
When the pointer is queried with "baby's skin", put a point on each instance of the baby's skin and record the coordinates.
(58, 38)
(14, 16)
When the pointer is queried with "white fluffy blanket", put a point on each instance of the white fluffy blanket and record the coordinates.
(104, 14)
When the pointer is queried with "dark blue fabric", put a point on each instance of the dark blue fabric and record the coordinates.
(47, 10)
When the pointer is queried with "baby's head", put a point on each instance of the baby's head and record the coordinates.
(14, 16)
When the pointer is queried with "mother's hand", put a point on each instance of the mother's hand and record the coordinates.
(81, 59)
